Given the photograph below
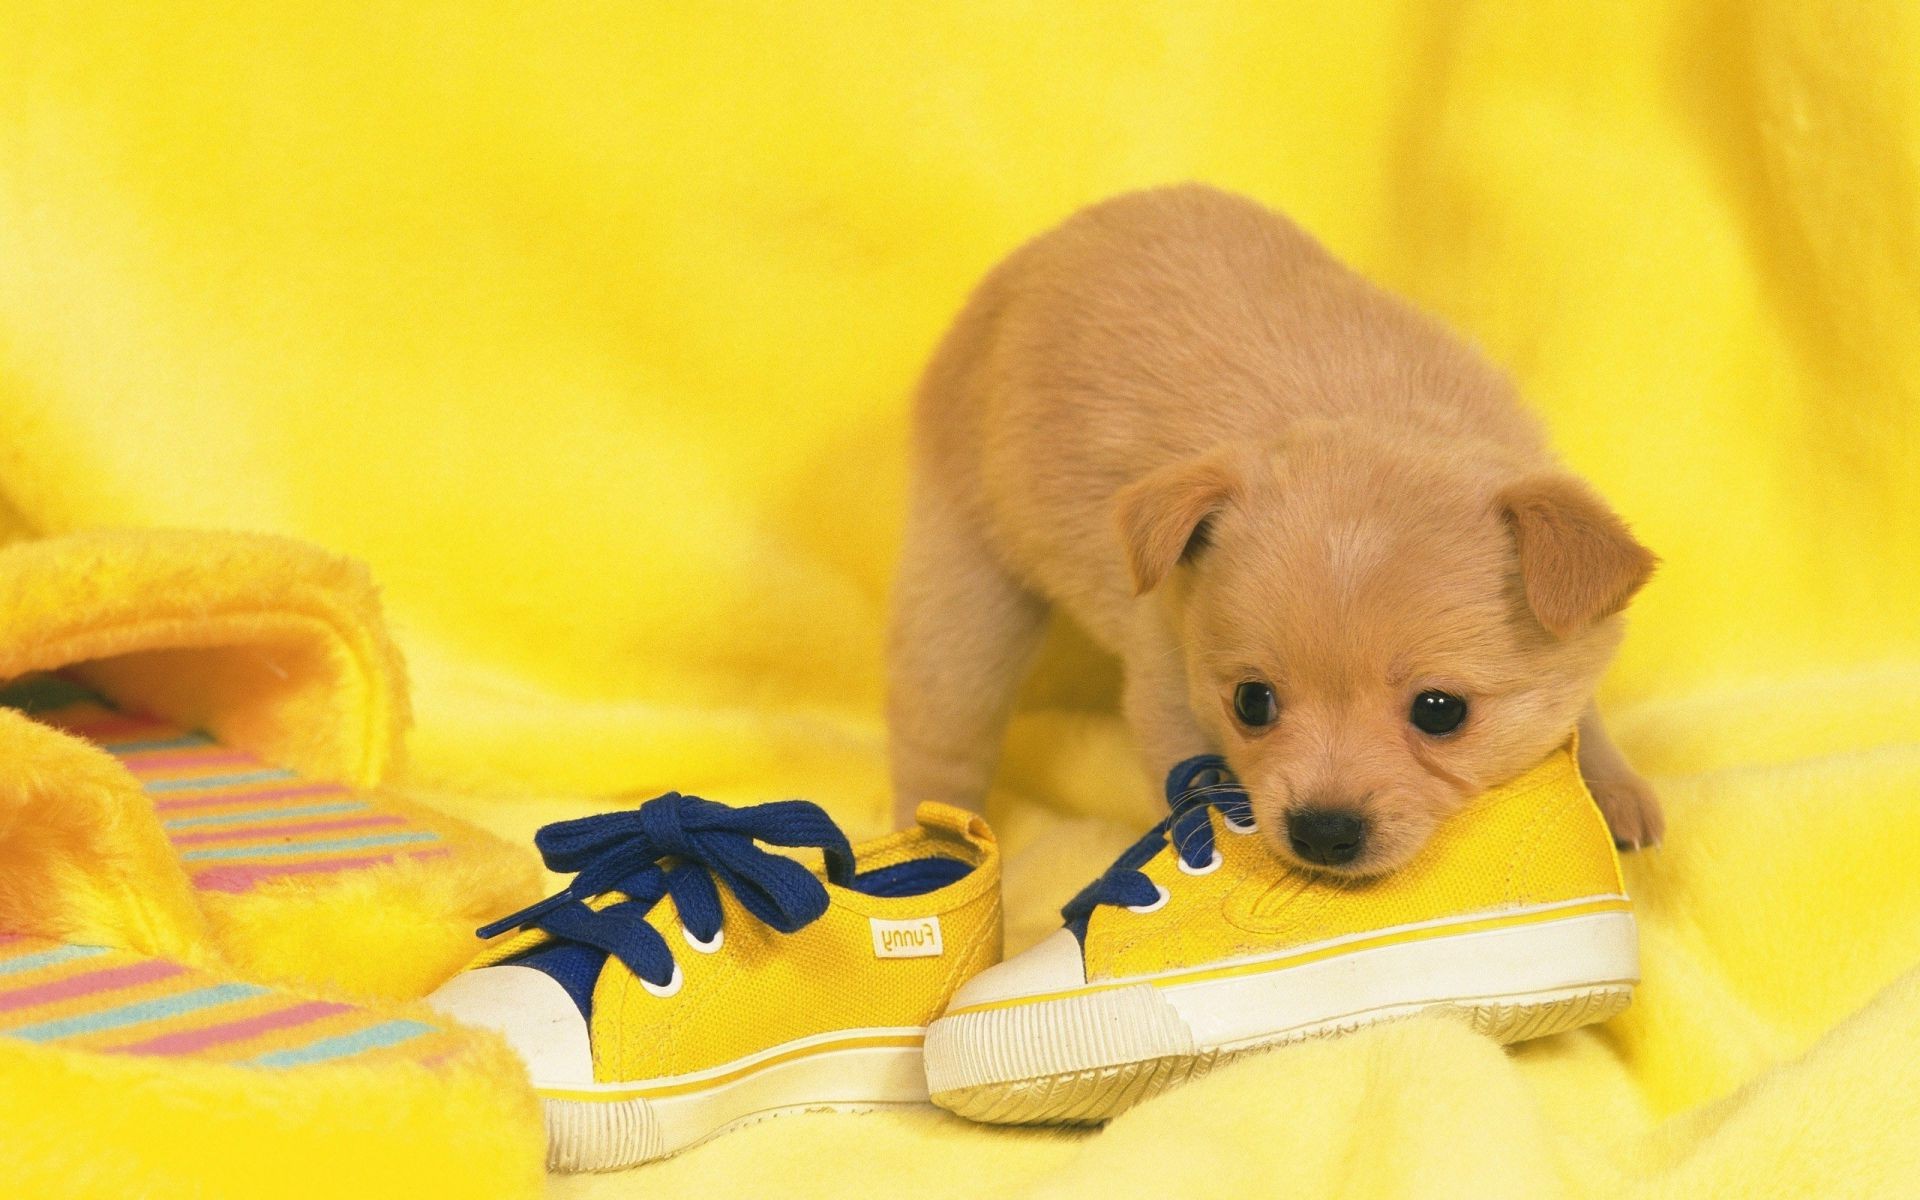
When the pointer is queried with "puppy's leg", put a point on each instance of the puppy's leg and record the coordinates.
(1155, 700)
(962, 634)
(1631, 808)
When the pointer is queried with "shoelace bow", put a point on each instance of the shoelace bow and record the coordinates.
(1194, 786)
(679, 846)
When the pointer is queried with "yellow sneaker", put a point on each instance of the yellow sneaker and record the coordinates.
(689, 981)
(1174, 960)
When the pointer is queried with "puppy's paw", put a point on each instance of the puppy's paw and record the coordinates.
(1632, 810)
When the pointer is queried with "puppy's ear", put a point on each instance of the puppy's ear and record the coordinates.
(1578, 562)
(1164, 517)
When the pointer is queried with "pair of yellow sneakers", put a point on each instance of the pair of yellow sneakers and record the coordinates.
(689, 981)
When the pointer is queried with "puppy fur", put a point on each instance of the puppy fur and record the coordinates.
(1232, 459)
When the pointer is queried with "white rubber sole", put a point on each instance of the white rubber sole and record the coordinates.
(601, 1127)
(1088, 1055)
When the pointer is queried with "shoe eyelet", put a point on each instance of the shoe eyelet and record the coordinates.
(670, 987)
(1159, 903)
(1206, 868)
(719, 939)
(1237, 827)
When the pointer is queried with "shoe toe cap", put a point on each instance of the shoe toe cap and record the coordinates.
(1054, 965)
(531, 1011)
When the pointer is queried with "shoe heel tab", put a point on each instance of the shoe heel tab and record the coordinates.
(954, 822)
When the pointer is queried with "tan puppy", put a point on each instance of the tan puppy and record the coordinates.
(1318, 529)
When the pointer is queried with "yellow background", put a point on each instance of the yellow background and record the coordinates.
(590, 327)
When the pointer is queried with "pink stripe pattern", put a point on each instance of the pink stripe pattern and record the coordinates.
(89, 983)
(199, 837)
(193, 1041)
(179, 802)
(223, 799)
(100, 1000)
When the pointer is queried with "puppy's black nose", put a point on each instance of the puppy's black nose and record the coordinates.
(1326, 836)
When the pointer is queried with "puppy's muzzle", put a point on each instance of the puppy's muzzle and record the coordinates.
(1327, 836)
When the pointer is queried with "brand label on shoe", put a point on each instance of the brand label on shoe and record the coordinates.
(918, 938)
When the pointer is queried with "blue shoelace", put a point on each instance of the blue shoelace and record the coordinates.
(1193, 788)
(684, 847)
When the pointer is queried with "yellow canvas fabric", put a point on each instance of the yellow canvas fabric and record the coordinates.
(764, 988)
(590, 328)
(1537, 840)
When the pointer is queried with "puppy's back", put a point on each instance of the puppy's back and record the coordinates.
(1155, 326)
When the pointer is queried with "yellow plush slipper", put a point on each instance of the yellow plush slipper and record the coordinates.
(1200, 944)
(689, 981)
(243, 688)
(131, 1064)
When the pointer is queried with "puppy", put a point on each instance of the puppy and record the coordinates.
(1319, 531)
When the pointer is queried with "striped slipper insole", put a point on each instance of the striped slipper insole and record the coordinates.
(236, 821)
(119, 1002)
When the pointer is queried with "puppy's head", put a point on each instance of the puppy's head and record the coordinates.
(1376, 629)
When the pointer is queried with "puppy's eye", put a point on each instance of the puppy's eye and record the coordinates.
(1255, 704)
(1437, 712)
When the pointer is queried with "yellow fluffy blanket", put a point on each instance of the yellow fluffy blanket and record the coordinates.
(590, 326)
